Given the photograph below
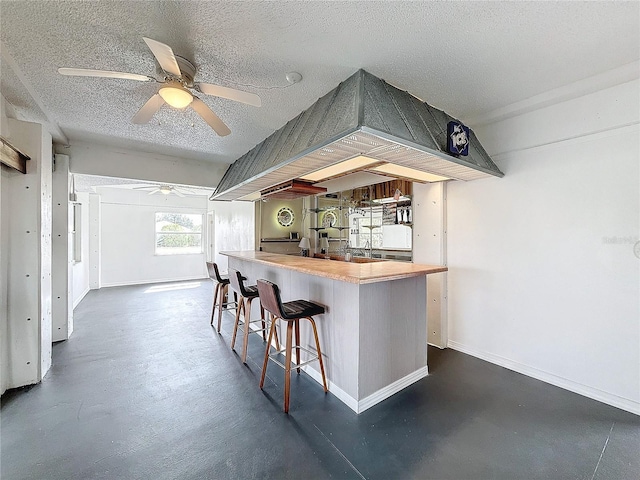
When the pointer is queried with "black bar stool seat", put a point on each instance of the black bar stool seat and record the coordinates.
(292, 313)
(247, 295)
(250, 291)
(300, 309)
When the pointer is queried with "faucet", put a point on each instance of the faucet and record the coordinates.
(347, 252)
(367, 246)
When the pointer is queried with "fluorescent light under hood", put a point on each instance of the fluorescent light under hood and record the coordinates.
(341, 168)
(374, 165)
(408, 173)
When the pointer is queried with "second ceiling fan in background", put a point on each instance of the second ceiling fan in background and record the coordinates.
(166, 190)
(176, 89)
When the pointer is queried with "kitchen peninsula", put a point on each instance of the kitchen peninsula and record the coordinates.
(374, 332)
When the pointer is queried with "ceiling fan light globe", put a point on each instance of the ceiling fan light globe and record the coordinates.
(177, 97)
(165, 190)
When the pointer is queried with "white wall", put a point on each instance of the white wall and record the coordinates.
(127, 238)
(81, 268)
(94, 241)
(26, 219)
(234, 228)
(4, 268)
(5, 174)
(125, 223)
(429, 247)
(61, 272)
(93, 159)
(44, 251)
(542, 274)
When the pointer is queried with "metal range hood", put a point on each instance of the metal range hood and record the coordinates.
(364, 124)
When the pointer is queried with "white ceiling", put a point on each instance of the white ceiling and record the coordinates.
(467, 58)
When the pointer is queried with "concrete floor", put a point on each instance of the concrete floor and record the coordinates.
(145, 388)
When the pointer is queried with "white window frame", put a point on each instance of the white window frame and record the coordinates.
(176, 251)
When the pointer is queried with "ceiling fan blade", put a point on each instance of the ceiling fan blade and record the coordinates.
(180, 194)
(155, 190)
(231, 94)
(211, 118)
(164, 55)
(86, 72)
(148, 110)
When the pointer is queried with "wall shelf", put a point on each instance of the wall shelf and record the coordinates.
(327, 209)
(282, 240)
(342, 219)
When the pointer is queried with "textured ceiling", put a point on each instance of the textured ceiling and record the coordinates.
(467, 58)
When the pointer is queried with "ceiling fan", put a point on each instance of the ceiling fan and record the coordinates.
(166, 190)
(176, 89)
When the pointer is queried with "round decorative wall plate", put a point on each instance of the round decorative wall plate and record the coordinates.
(285, 217)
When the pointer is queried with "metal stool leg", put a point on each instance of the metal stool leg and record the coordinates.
(297, 326)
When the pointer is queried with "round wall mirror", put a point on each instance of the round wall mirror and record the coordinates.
(329, 219)
(285, 217)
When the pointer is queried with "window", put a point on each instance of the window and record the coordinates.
(178, 233)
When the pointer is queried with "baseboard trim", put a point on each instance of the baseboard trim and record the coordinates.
(585, 390)
(392, 389)
(374, 398)
(79, 299)
(340, 394)
(150, 281)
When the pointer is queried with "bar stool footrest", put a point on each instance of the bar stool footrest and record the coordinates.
(294, 365)
(272, 357)
(229, 306)
(259, 330)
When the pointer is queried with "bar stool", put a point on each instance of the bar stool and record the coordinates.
(221, 292)
(247, 295)
(291, 312)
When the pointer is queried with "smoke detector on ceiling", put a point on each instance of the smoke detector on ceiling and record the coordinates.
(293, 77)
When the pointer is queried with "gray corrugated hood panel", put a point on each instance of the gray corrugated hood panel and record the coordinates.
(366, 109)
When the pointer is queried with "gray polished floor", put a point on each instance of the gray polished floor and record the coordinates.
(146, 389)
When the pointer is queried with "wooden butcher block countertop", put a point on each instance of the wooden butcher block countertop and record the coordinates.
(377, 271)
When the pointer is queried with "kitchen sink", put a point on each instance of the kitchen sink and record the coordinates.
(340, 258)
